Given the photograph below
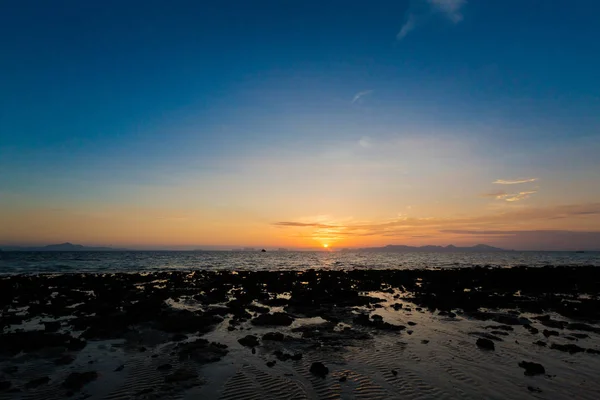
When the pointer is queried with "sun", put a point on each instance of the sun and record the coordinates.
(326, 245)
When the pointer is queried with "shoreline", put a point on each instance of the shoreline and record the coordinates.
(316, 332)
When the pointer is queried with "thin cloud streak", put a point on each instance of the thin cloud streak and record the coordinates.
(358, 95)
(451, 8)
(513, 181)
(408, 26)
(502, 195)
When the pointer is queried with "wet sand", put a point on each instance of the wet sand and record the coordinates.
(469, 333)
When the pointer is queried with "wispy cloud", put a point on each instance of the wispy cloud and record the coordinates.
(513, 181)
(519, 196)
(359, 95)
(365, 142)
(408, 26)
(495, 195)
(450, 9)
(502, 195)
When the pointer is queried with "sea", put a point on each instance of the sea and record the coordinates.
(24, 262)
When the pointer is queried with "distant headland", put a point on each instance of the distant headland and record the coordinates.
(61, 247)
(391, 248)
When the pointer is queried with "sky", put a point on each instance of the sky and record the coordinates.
(299, 123)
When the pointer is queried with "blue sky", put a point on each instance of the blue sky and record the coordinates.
(245, 114)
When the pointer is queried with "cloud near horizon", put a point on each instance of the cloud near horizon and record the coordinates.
(529, 219)
(513, 181)
(511, 197)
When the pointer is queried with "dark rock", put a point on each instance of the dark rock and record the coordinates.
(5, 385)
(142, 349)
(178, 321)
(540, 343)
(531, 329)
(580, 335)
(411, 323)
(424, 341)
(201, 351)
(258, 309)
(249, 341)
(275, 319)
(274, 336)
(30, 341)
(253, 350)
(270, 364)
(534, 389)
(583, 327)
(592, 351)
(485, 344)
(120, 368)
(64, 360)
(181, 375)
(500, 327)
(510, 319)
(343, 378)
(532, 368)
(548, 333)
(11, 369)
(52, 326)
(410, 332)
(281, 356)
(570, 348)
(164, 367)
(179, 337)
(486, 335)
(364, 320)
(76, 380)
(296, 357)
(37, 382)
(394, 372)
(319, 369)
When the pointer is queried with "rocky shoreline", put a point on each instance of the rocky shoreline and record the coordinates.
(186, 320)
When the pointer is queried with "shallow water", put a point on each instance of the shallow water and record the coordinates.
(135, 261)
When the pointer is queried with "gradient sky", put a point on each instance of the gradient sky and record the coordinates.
(300, 123)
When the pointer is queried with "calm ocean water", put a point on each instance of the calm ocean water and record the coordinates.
(132, 261)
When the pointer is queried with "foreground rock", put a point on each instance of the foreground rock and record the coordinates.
(274, 336)
(485, 344)
(31, 341)
(532, 368)
(275, 319)
(76, 380)
(569, 348)
(377, 323)
(319, 369)
(249, 341)
(201, 351)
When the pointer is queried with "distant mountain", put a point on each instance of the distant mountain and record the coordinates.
(61, 247)
(392, 248)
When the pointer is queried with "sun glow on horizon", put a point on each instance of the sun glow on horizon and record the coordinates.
(325, 245)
